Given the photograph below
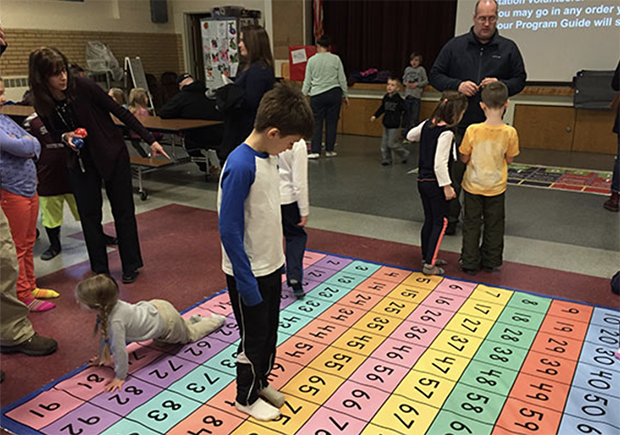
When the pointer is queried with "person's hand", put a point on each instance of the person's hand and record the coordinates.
(68, 139)
(346, 101)
(486, 81)
(468, 88)
(449, 192)
(412, 85)
(114, 384)
(303, 221)
(372, 118)
(157, 150)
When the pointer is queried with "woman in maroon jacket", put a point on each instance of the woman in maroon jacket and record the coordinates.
(65, 103)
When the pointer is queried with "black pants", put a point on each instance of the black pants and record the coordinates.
(488, 212)
(326, 107)
(435, 218)
(87, 190)
(258, 327)
(296, 238)
(457, 170)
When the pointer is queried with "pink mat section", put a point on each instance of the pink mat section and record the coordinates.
(181, 251)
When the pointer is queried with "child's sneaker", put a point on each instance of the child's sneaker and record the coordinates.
(331, 154)
(314, 156)
(298, 289)
(260, 410)
(429, 269)
(438, 262)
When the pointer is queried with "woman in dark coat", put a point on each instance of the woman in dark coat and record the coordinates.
(257, 77)
(65, 103)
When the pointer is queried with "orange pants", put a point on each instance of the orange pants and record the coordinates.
(22, 213)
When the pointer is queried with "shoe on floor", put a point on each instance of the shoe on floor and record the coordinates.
(130, 277)
(38, 306)
(438, 262)
(467, 270)
(35, 346)
(314, 156)
(260, 410)
(612, 204)
(488, 269)
(384, 163)
(331, 154)
(110, 240)
(43, 293)
(298, 289)
(451, 229)
(429, 269)
(50, 253)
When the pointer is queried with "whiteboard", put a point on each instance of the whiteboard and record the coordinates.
(134, 68)
(136, 72)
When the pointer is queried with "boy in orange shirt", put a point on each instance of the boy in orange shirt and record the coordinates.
(487, 150)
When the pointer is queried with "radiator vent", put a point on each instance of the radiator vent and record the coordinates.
(15, 82)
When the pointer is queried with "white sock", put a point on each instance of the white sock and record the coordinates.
(199, 326)
(260, 410)
(272, 396)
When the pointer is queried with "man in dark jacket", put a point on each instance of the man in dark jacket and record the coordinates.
(469, 62)
(612, 203)
(192, 103)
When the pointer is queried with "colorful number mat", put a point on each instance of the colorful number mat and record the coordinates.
(578, 180)
(371, 349)
(551, 177)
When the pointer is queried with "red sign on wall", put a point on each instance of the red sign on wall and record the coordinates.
(298, 56)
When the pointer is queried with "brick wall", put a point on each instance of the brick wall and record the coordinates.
(158, 52)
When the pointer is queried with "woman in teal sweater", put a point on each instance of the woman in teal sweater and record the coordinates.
(326, 84)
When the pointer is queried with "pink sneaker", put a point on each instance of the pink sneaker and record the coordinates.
(37, 306)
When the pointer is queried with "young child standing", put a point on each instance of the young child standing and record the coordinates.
(293, 169)
(393, 107)
(250, 226)
(436, 150)
(487, 149)
(414, 79)
(20, 203)
(119, 322)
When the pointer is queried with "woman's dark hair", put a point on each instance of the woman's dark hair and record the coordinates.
(256, 41)
(451, 105)
(44, 63)
(324, 41)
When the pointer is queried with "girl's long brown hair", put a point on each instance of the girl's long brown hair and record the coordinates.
(256, 41)
(451, 105)
(44, 63)
(99, 293)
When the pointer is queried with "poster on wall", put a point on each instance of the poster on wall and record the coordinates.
(298, 56)
(220, 50)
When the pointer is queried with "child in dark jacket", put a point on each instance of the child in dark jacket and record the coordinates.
(393, 106)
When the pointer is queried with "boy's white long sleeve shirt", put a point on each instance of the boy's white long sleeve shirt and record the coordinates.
(293, 169)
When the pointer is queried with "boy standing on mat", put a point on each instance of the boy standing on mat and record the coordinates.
(487, 150)
(251, 233)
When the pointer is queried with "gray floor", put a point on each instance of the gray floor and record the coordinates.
(352, 193)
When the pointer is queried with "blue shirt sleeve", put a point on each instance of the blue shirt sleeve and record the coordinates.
(14, 139)
(237, 179)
